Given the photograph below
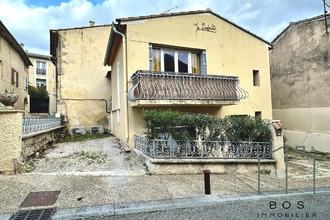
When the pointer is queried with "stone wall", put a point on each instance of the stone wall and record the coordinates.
(34, 143)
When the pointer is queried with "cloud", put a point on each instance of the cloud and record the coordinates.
(30, 24)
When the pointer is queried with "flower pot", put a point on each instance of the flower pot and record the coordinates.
(8, 100)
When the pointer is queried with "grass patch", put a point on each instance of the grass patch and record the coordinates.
(85, 137)
(32, 166)
(92, 158)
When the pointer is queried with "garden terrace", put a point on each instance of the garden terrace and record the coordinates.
(171, 149)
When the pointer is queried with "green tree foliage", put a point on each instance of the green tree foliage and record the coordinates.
(160, 124)
(38, 93)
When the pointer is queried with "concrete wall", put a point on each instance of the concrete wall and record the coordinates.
(300, 81)
(50, 78)
(230, 51)
(9, 59)
(10, 139)
(306, 126)
(81, 76)
(16, 149)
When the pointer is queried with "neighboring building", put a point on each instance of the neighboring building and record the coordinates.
(83, 91)
(14, 65)
(43, 73)
(300, 71)
(189, 61)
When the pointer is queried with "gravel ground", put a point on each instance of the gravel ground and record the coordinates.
(103, 154)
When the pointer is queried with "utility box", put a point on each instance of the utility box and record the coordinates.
(97, 129)
(77, 131)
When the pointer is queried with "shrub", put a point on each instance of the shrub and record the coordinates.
(186, 126)
(246, 128)
(38, 93)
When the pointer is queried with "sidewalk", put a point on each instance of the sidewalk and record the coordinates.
(87, 189)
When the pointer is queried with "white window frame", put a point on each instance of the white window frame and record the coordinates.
(176, 59)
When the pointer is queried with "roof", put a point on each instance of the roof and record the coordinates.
(54, 36)
(111, 48)
(291, 24)
(4, 32)
(38, 56)
(190, 13)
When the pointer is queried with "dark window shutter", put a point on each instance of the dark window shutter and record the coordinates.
(150, 57)
(17, 76)
(203, 62)
(12, 76)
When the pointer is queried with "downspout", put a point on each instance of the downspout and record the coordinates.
(125, 78)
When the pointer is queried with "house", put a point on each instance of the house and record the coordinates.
(195, 61)
(43, 73)
(14, 65)
(300, 70)
(83, 90)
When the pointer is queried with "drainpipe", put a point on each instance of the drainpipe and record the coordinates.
(125, 78)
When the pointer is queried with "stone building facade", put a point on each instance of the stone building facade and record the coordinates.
(300, 71)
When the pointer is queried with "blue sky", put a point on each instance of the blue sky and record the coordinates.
(30, 20)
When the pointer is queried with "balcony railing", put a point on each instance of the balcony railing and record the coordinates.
(41, 71)
(151, 85)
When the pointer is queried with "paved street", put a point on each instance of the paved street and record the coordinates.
(269, 206)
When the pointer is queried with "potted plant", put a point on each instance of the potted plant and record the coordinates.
(9, 98)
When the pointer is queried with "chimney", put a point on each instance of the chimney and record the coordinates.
(91, 23)
(22, 45)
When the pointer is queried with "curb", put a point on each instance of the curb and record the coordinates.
(171, 204)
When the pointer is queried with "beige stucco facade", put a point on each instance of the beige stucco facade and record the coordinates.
(300, 83)
(83, 90)
(13, 68)
(10, 139)
(47, 78)
(230, 51)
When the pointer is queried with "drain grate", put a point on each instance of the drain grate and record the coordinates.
(38, 214)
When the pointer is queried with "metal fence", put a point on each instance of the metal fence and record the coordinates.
(34, 124)
(152, 85)
(161, 148)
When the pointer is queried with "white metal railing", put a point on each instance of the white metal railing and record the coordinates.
(34, 124)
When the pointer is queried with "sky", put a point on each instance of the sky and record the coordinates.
(29, 21)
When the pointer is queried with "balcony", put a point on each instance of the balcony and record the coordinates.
(151, 88)
(41, 71)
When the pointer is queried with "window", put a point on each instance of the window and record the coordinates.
(25, 82)
(17, 77)
(171, 60)
(41, 68)
(256, 78)
(257, 115)
(40, 82)
(13, 76)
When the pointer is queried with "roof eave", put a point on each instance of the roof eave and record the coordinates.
(123, 20)
(13, 42)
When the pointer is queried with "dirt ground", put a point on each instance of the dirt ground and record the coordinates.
(106, 156)
(300, 167)
(99, 155)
